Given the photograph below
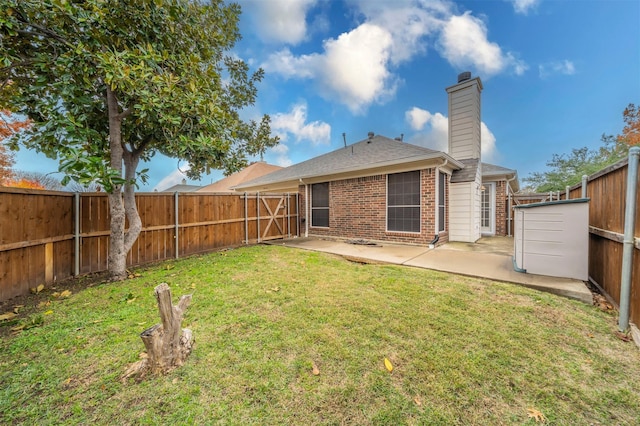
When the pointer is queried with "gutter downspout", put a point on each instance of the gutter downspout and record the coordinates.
(629, 230)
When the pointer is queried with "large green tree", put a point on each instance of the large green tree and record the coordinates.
(568, 169)
(110, 83)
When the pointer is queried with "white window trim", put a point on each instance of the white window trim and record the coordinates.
(386, 209)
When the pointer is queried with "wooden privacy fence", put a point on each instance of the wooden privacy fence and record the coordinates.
(607, 192)
(48, 236)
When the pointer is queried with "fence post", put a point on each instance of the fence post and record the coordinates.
(584, 186)
(76, 242)
(258, 214)
(567, 193)
(246, 219)
(288, 218)
(629, 231)
(297, 215)
(175, 207)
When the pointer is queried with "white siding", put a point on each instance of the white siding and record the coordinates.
(464, 212)
(464, 120)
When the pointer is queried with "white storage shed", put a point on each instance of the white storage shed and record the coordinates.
(552, 238)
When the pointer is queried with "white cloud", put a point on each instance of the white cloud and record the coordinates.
(356, 68)
(564, 67)
(524, 6)
(173, 178)
(488, 148)
(434, 129)
(464, 43)
(417, 118)
(281, 21)
(352, 70)
(434, 133)
(294, 123)
(281, 152)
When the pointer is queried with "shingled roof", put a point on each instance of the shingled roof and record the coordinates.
(247, 174)
(374, 152)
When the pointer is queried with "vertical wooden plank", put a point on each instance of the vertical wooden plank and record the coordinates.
(48, 261)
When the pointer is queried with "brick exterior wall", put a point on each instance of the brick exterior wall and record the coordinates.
(358, 210)
(501, 208)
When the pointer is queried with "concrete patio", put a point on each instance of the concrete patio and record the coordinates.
(489, 257)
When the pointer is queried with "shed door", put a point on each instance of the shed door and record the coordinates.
(487, 208)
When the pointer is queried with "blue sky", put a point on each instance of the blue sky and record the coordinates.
(556, 74)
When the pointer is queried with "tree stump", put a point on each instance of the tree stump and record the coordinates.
(168, 345)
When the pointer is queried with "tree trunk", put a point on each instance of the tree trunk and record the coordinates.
(117, 259)
(167, 344)
(131, 161)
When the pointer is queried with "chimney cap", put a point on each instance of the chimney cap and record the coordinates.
(370, 135)
(464, 76)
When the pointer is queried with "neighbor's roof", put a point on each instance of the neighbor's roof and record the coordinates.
(247, 174)
(379, 151)
(182, 188)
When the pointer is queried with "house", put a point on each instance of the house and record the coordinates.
(386, 190)
(182, 187)
(251, 172)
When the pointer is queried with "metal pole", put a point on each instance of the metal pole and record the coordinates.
(584, 186)
(246, 219)
(258, 211)
(76, 269)
(629, 230)
(175, 197)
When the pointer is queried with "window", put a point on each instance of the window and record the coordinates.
(403, 202)
(320, 204)
(442, 179)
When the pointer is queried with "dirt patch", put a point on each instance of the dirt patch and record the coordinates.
(28, 304)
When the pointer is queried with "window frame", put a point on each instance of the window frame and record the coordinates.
(388, 206)
(322, 207)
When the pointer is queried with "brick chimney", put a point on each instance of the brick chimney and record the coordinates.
(464, 117)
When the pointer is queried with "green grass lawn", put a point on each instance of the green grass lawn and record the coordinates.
(464, 350)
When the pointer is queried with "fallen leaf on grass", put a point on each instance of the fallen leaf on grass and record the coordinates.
(48, 312)
(623, 336)
(44, 304)
(38, 289)
(590, 335)
(65, 294)
(536, 415)
(388, 364)
(314, 369)
(417, 401)
(16, 308)
(7, 316)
